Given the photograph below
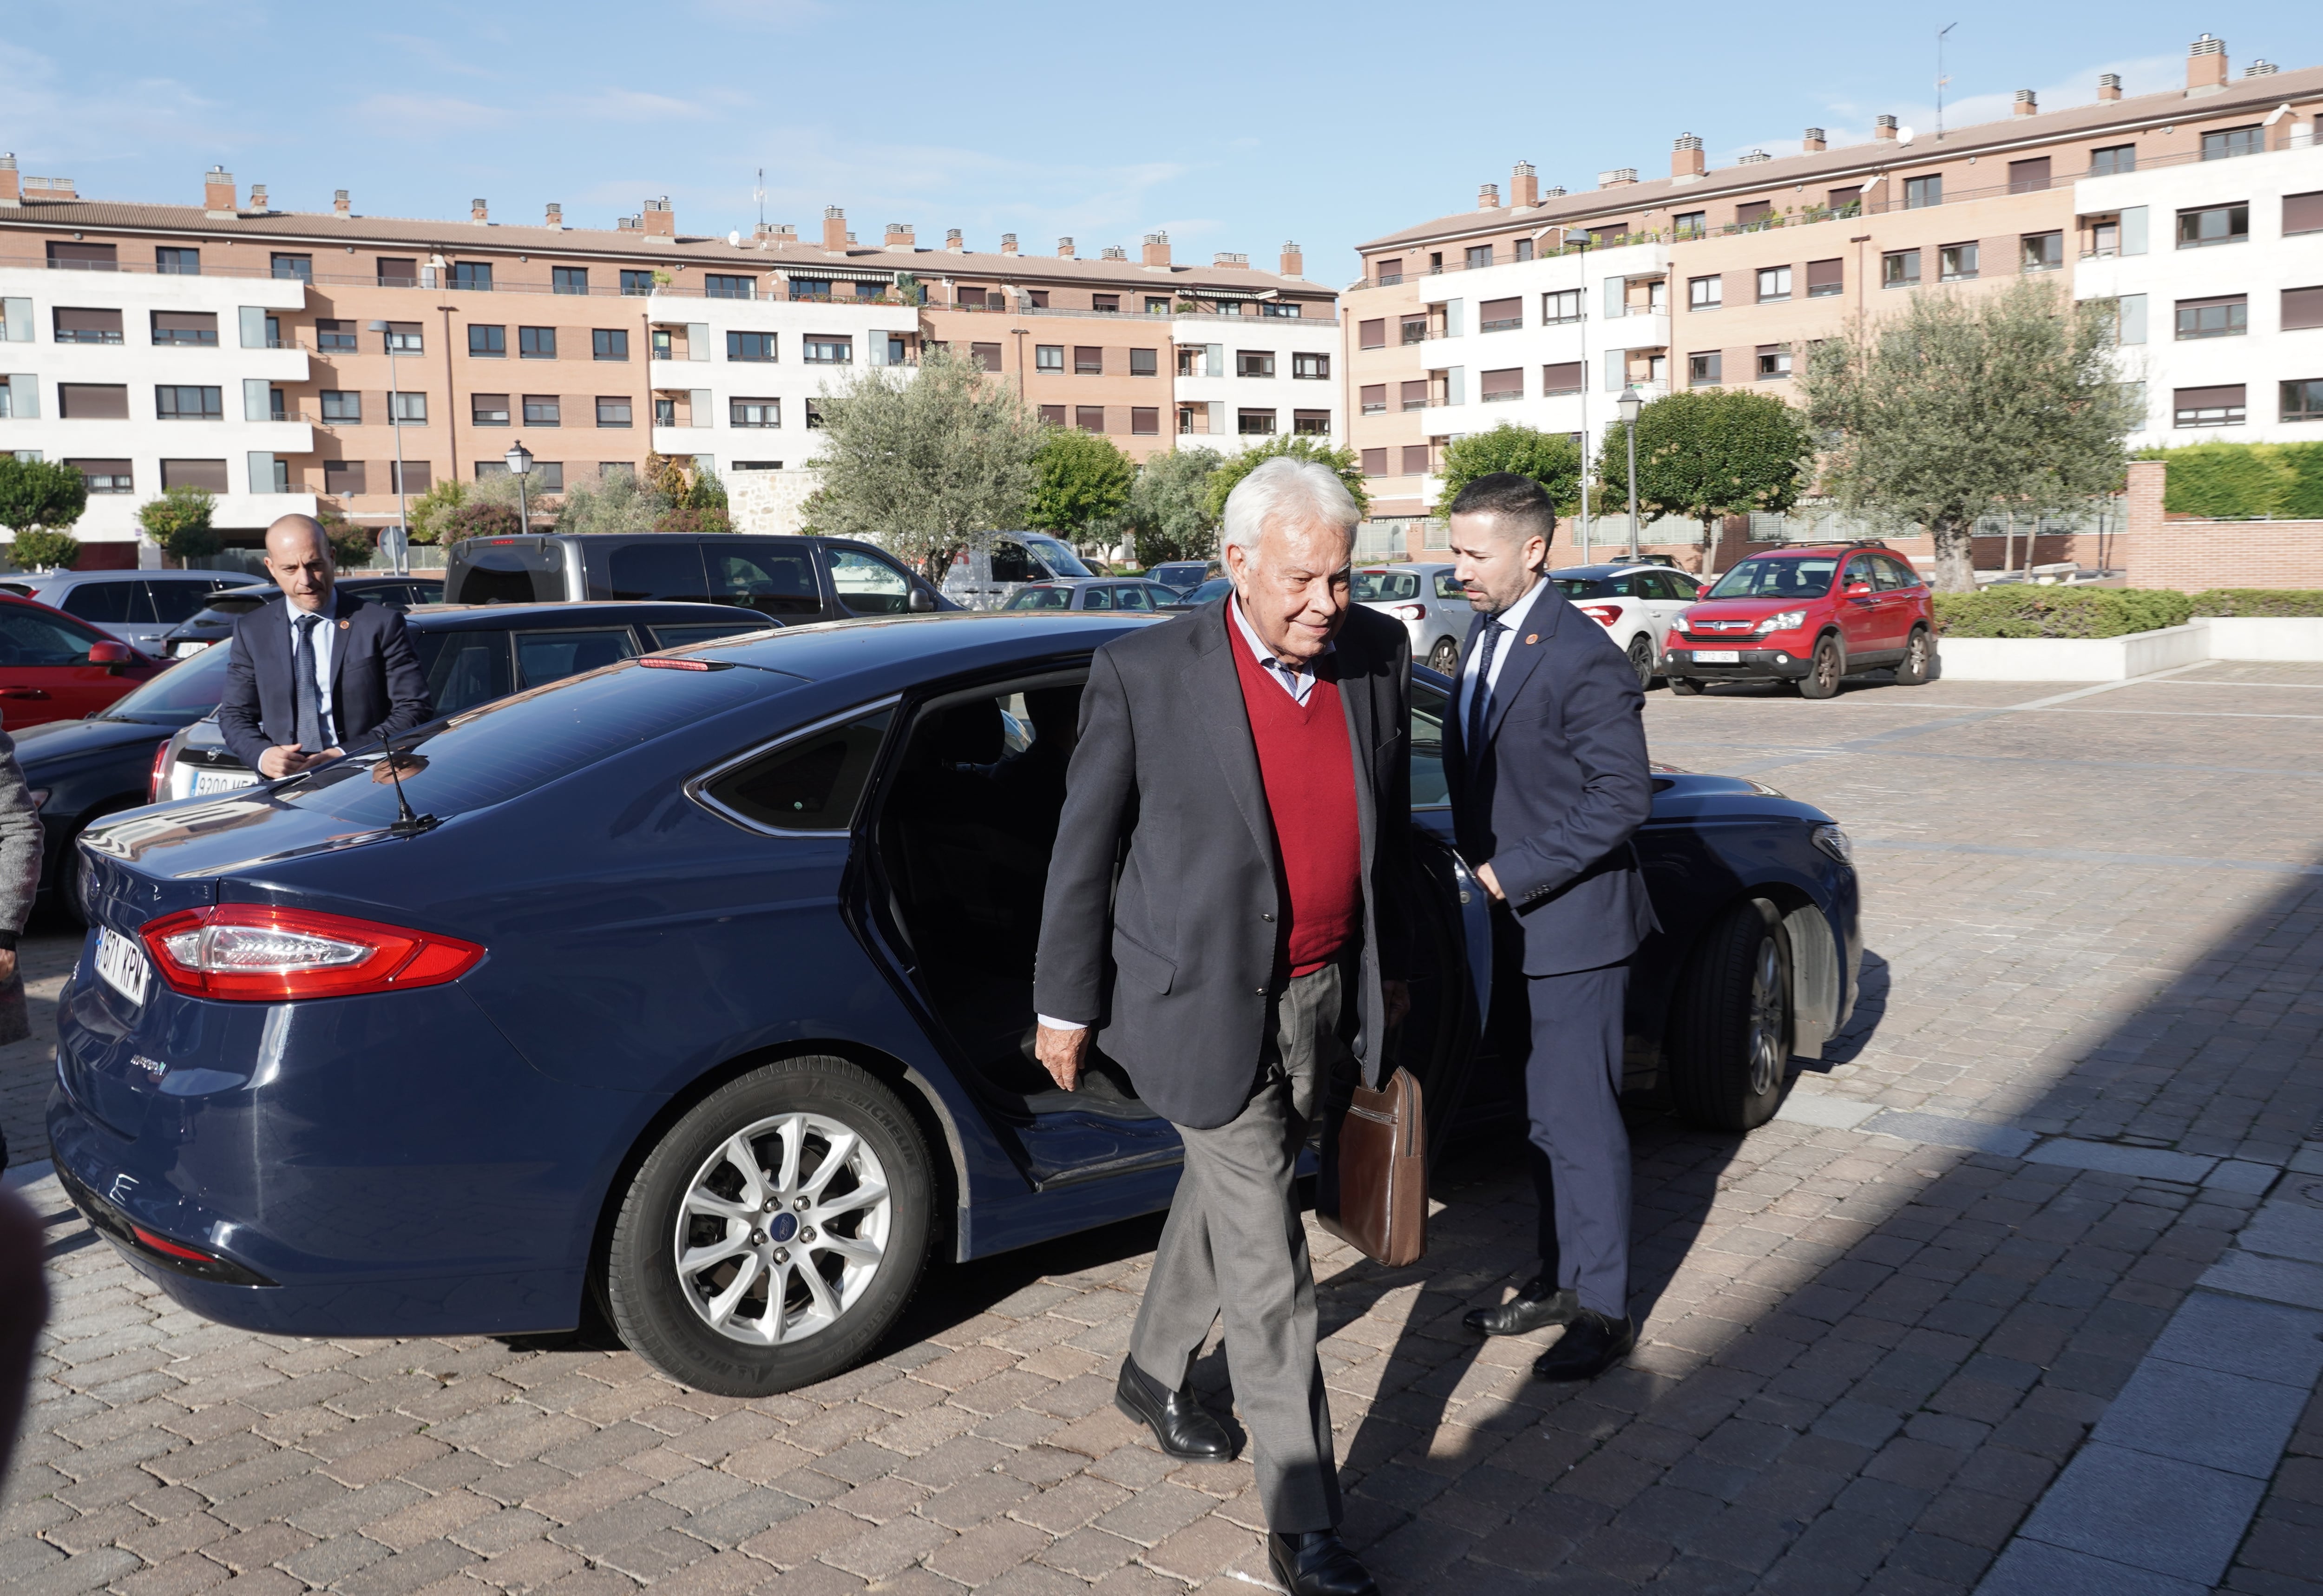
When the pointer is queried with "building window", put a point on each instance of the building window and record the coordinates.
(2113, 159)
(1255, 423)
(1899, 269)
(331, 337)
(1920, 192)
(987, 356)
(1145, 362)
(1500, 316)
(1703, 293)
(1279, 307)
(1052, 414)
(2214, 224)
(755, 412)
(1706, 368)
(2301, 308)
(395, 274)
(106, 476)
(637, 282)
(1415, 328)
(1522, 250)
(87, 326)
(1414, 394)
(295, 268)
(1478, 256)
(1049, 359)
(609, 343)
(715, 286)
(174, 403)
(801, 288)
(2234, 141)
(405, 337)
(1157, 306)
(489, 410)
(661, 342)
(2221, 406)
(1375, 462)
(2304, 401)
(343, 478)
(1774, 361)
(1690, 224)
(1088, 361)
(813, 415)
(1956, 263)
(1313, 368)
(488, 342)
(83, 257)
(1108, 303)
(1560, 307)
(1373, 399)
(536, 343)
(1774, 284)
(1089, 418)
(195, 474)
(665, 410)
(1825, 279)
(2043, 252)
(1146, 421)
(408, 476)
(473, 275)
(342, 405)
(2303, 213)
(1751, 214)
(2028, 177)
(1389, 271)
(1313, 424)
(197, 329)
(569, 279)
(751, 346)
(613, 410)
(94, 401)
(1493, 387)
(821, 349)
(1415, 460)
(1254, 362)
(407, 409)
(542, 410)
(1372, 333)
(2224, 316)
(1562, 377)
(178, 263)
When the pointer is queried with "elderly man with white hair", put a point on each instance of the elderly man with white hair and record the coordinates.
(1222, 919)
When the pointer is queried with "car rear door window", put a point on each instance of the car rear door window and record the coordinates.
(810, 785)
(678, 637)
(1900, 575)
(667, 568)
(1447, 586)
(542, 657)
(1429, 790)
(869, 586)
(108, 603)
(770, 578)
(467, 669)
(1040, 598)
(1132, 596)
(1096, 598)
(176, 601)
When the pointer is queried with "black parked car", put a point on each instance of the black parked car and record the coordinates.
(792, 579)
(214, 623)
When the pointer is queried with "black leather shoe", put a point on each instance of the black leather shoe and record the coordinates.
(1316, 1562)
(1178, 1423)
(1592, 1344)
(1536, 1308)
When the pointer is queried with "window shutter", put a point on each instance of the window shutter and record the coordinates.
(1415, 392)
(875, 354)
(261, 472)
(1213, 364)
(2132, 318)
(1616, 289)
(1217, 409)
(697, 340)
(1456, 385)
(253, 326)
(2302, 307)
(1374, 393)
(1826, 274)
(1502, 385)
(1375, 462)
(1617, 370)
(1415, 460)
(1564, 377)
(2133, 231)
(2302, 213)
(1452, 318)
(257, 403)
(701, 407)
(1492, 312)
(24, 396)
(19, 318)
(1373, 333)
(2211, 398)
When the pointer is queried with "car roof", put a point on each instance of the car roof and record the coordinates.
(928, 645)
(75, 578)
(1410, 565)
(1595, 571)
(542, 617)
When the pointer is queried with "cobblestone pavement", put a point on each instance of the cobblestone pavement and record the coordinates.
(1865, 1356)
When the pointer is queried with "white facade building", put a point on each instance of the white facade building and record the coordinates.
(1243, 380)
(2217, 263)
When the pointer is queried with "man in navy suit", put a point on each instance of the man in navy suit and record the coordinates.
(1544, 753)
(317, 672)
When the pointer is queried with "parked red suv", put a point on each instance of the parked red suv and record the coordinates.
(53, 667)
(1809, 616)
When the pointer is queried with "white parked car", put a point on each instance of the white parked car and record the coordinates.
(987, 575)
(1430, 602)
(1638, 604)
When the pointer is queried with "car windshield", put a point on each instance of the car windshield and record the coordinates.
(179, 696)
(1217, 587)
(1802, 576)
(1372, 586)
(1056, 556)
(1040, 598)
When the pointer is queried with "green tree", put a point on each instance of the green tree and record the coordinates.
(617, 501)
(1552, 459)
(479, 516)
(180, 521)
(923, 461)
(1229, 476)
(40, 500)
(351, 548)
(1709, 453)
(1169, 515)
(431, 510)
(1962, 407)
(1081, 482)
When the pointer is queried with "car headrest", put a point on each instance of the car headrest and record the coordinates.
(1056, 713)
(965, 734)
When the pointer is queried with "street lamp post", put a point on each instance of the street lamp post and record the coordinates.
(1629, 404)
(519, 460)
(402, 496)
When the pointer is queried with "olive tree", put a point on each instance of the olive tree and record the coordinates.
(40, 500)
(1709, 453)
(1963, 407)
(1169, 515)
(1228, 476)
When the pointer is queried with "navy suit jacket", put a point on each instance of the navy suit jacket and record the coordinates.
(1562, 781)
(377, 688)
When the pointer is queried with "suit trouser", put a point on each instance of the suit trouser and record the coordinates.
(1580, 1152)
(1234, 1244)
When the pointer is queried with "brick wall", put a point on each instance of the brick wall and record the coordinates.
(2164, 551)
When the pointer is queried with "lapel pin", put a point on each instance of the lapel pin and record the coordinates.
(345, 624)
(1529, 636)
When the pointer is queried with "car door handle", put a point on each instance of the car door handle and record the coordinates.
(22, 692)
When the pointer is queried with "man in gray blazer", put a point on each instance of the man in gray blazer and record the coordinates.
(1246, 768)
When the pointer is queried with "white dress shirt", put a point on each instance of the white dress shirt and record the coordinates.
(1510, 621)
(324, 629)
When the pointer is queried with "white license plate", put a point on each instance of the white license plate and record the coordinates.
(1718, 656)
(222, 780)
(181, 650)
(120, 963)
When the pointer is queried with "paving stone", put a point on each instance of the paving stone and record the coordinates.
(2155, 1513)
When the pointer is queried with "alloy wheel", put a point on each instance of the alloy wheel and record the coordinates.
(1445, 657)
(1641, 659)
(1770, 1045)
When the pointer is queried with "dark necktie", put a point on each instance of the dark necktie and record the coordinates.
(1481, 688)
(308, 699)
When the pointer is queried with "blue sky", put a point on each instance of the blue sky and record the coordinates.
(1234, 127)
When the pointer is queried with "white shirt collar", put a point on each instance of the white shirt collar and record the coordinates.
(1513, 616)
(1298, 679)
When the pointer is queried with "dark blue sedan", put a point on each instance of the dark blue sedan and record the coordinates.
(700, 986)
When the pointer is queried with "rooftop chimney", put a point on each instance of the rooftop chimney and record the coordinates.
(554, 218)
(2028, 104)
(11, 186)
(1223, 259)
(1294, 261)
(2260, 68)
(899, 236)
(2206, 67)
(2109, 87)
(217, 192)
(1686, 159)
(779, 235)
(477, 212)
(1488, 197)
(1754, 158)
(1620, 177)
(1157, 249)
(1813, 141)
(1008, 243)
(1883, 127)
(834, 228)
(258, 199)
(1114, 252)
(1524, 189)
(955, 240)
(1064, 248)
(340, 205)
(627, 225)
(661, 222)
(1556, 193)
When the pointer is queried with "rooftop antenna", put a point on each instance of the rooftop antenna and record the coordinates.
(407, 824)
(1940, 78)
(759, 194)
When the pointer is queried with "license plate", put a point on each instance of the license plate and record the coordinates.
(221, 780)
(1718, 656)
(180, 650)
(120, 964)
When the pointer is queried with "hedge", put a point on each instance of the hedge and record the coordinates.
(2023, 611)
(2260, 601)
(2243, 481)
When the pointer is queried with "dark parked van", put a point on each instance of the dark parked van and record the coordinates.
(796, 580)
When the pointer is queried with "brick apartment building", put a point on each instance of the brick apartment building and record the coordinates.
(283, 359)
(1542, 309)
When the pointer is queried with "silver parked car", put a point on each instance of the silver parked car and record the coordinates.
(986, 575)
(141, 607)
(1430, 602)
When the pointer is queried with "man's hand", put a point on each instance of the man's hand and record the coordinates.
(1397, 998)
(7, 965)
(283, 759)
(1061, 1053)
(1492, 883)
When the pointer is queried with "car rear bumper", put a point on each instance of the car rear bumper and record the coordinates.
(1751, 665)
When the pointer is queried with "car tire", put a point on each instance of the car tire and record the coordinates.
(1919, 659)
(1643, 659)
(704, 1321)
(1824, 670)
(1445, 657)
(1684, 686)
(1729, 1047)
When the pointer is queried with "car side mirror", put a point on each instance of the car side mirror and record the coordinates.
(923, 602)
(1856, 589)
(111, 654)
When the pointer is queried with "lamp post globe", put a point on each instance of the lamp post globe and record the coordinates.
(519, 464)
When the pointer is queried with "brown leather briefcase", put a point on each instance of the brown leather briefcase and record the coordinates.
(1374, 1189)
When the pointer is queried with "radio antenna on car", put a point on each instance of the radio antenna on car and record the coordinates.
(407, 824)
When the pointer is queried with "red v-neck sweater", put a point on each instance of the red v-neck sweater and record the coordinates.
(1309, 774)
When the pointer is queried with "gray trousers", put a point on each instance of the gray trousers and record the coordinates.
(1234, 1245)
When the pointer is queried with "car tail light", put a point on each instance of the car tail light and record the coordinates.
(163, 1244)
(1407, 611)
(1605, 615)
(157, 785)
(259, 953)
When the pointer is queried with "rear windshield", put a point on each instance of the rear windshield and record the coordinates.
(180, 695)
(1807, 576)
(1040, 598)
(500, 750)
(1371, 586)
(1580, 587)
